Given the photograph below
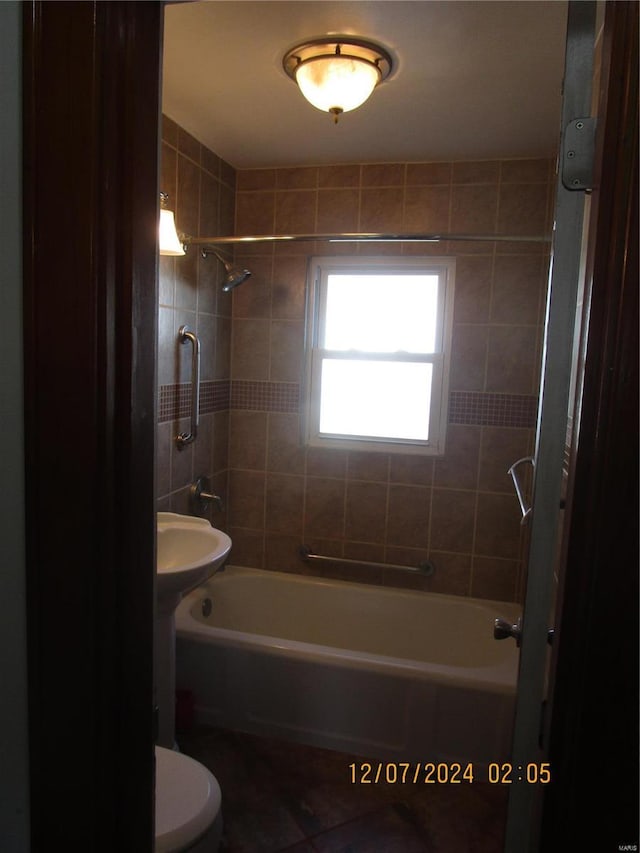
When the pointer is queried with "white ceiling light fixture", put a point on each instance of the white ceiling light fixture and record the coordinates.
(337, 73)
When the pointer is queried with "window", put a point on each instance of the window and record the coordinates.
(378, 341)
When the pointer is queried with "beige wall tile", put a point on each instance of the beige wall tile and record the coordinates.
(498, 527)
(468, 358)
(302, 177)
(415, 470)
(248, 548)
(474, 209)
(248, 440)
(362, 465)
(494, 579)
(255, 213)
(458, 468)
(339, 176)
(383, 174)
(408, 516)
(284, 450)
(479, 172)
(324, 504)
(500, 448)
(427, 209)
(338, 210)
(365, 511)
(287, 351)
(523, 209)
(247, 499)
(512, 359)
(250, 349)
(256, 179)
(518, 287)
(381, 210)
(296, 212)
(473, 289)
(288, 288)
(284, 504)
(428, 173)
(452, 521)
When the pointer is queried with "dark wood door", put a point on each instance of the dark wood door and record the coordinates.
(91, 102)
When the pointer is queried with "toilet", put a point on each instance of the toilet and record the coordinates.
(188, 799)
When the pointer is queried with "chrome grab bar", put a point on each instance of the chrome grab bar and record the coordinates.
(526, 510)
(425, 568)
(185, 334)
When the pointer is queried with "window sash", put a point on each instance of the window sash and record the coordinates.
(316, 353)
(319, 356)
(367, 271)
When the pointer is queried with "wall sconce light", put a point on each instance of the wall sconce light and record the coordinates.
(168, 239)
(337, 73)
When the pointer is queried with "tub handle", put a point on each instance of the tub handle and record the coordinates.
(184, 335)
(526, 510)
(502, 629)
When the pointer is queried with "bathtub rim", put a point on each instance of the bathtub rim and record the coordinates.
(498, 678)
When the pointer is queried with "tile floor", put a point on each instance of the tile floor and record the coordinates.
(279, 796)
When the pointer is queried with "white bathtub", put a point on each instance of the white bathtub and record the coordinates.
(383, 673)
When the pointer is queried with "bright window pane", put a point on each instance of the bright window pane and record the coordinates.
(375, 398)
(381, 312)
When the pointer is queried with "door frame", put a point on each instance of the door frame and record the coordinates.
(593, 727)
(90, 426)
(91, 82)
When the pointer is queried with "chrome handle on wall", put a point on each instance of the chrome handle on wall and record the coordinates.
(185, 334)
(526, 510)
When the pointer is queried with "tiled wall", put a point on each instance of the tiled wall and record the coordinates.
(460, 510)
(201, 190)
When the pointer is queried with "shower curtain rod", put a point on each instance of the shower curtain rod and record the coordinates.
(363, 238)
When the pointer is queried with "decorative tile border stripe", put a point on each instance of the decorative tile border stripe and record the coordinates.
(175, 400)
(265, 396)
(472, 408)
(477, 408)
(215, 396)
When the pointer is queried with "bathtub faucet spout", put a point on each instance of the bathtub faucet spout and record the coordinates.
(201, 496)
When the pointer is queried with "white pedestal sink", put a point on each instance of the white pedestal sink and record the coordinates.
(189, 550)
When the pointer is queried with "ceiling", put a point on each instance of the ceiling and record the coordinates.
(471, 80)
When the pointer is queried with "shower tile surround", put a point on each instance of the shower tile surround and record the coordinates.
(459, 510)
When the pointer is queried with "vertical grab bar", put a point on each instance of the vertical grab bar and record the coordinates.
(526, 510)
(185, 334)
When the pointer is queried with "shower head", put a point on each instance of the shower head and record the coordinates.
(235, 275)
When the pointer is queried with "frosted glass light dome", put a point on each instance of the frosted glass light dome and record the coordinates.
(337, 83)
(337, 73)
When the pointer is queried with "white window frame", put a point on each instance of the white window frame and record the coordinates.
(319, 270)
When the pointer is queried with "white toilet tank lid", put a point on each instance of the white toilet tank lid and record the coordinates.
(187, 800)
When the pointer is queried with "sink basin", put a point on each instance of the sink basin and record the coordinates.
(189, 550)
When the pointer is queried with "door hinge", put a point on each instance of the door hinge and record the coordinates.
(578, 154)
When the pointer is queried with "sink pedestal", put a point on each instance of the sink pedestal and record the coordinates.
(189, 551)
(164, 662)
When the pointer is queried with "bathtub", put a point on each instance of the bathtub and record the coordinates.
(383, 673)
